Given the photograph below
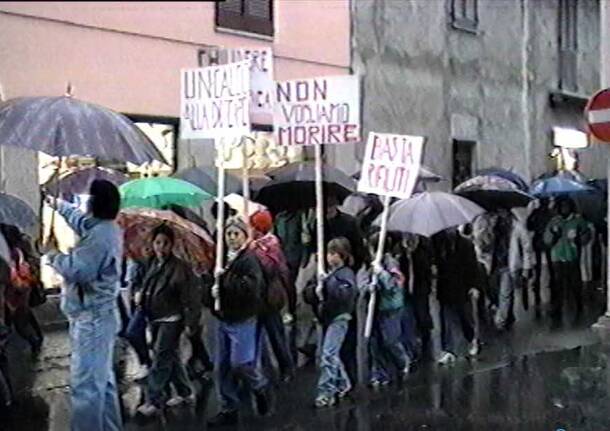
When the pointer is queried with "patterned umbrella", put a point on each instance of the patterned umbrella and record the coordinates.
(493, 192)
(64, 126)
(161, 192)
(14, 211)
(507, 175)
(78, 182)
(193, 244)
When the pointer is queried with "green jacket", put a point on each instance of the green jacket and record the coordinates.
(565, 237)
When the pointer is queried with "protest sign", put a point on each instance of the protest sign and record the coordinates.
(391, 164)
(261, 81)
(323, 110)
(215, 101)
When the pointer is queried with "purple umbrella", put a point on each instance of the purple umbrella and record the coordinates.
(78, 182)
(65, 126)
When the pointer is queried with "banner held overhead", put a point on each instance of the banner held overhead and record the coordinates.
(391, 164)
(215, 101)
(323, 110)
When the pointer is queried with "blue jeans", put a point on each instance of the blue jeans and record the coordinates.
(408, 327)
(333, 377)
(95, 403)
(386, 347)
(236, 359)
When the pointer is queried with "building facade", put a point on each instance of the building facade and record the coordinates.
(485, 81)
(127, 56)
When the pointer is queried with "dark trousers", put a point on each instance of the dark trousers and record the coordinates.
(274, 327)
(423, 318)
(167, 367)
(200, 353)
(568, 284)
(538, 274)
(27, 326)
(454, 316)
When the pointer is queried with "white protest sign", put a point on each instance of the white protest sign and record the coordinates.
(323, 110)
(261, 81)
(215, 101)
(391, 164)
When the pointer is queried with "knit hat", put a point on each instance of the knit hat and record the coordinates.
(238, 223)
(262, 221)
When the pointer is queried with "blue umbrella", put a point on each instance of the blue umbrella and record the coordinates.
(507, 175)
(558, 185)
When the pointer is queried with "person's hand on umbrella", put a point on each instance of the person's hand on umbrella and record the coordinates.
(474, 293)
(137, 298)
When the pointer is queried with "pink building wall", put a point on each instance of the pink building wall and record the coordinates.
(127, 56)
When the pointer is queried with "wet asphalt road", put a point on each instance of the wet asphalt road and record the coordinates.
(537, 377)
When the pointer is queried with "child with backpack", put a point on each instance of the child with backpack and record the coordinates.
(334, 311)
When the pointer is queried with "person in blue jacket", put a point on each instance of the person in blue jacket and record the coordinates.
(334, 311)
(91, 273)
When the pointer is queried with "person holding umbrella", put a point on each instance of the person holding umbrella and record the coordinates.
(457, 266)
(92, 272)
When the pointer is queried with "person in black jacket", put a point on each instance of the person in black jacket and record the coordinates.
(457, 276)
(166, 293)
(240, 298)
(334, 311)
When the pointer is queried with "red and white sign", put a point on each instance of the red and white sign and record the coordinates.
(391, 164)
(597, 115)
(324, 110)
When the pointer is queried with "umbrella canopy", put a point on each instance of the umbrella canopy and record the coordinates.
(64, 126)
(428, 213)
(507, 175)
(193, 244)
(294, 187)
(493, 192)
(14, 211)
(161, 192)
(206, 178)
(78, 182)
(558, 185)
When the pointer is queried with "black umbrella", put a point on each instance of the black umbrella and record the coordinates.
(294, 187)
(493, 192)
(64, 126)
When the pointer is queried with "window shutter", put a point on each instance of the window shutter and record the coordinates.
(252, 16)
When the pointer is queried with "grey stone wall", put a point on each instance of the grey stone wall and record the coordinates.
(422, 76)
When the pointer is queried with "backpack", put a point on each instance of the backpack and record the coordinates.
(268, 251)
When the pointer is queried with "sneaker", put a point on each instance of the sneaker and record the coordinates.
(475, 348)
(178, 400)
(378, 383)
(323, 401)
(262, 400)
(343, 393)
(142, 373)
(222, 419)
(148, 410)
(288, 319)
(447, 358)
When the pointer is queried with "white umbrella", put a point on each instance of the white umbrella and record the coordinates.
(428, 213)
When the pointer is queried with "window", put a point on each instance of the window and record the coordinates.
(463, 165)
(252, 16)
(465, 15)
(568, 45)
